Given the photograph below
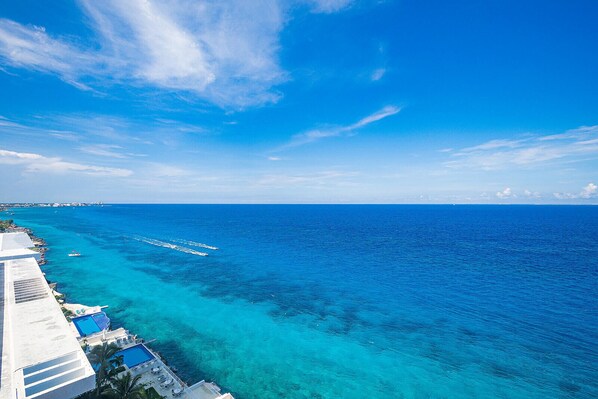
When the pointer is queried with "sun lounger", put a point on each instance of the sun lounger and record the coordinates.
(168, 383)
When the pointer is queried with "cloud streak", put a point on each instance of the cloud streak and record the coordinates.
(323, 178)
(318, 134)
(573, 145)
(328, 6)
(32, 48)
(36, 163)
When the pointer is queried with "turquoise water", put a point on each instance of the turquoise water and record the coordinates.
(135, 355)
(345, 301)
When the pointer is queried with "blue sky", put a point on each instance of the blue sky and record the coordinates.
(299, 101)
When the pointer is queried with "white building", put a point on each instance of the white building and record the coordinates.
(16, 246)
(41, 357)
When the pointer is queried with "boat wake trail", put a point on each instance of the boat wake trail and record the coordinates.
(196, 244)
(164, 244)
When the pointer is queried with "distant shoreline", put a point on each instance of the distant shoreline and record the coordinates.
(7, 206)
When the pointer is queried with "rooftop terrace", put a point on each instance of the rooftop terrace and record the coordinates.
(41, 357)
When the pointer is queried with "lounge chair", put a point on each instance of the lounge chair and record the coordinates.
(168, 383)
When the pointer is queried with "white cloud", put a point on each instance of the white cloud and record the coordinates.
(318, 134)
(383, 113)
(324, 178)
(224, 51)
(41, 164)
(378, 74)
(531, 194)
(31, 47)
(161, 170)
(328, 6)
(573, 145)
(492, 145)
(7, 123)
(565, 196)
(587, 192)
(103, 150)
(11, 157)
(274, 159)
(578, 133)
(506, 193)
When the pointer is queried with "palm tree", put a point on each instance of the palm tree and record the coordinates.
(103, 359)
(151, 393)
(94, 395)
(126, 387)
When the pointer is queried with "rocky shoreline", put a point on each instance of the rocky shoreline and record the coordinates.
(74, 310)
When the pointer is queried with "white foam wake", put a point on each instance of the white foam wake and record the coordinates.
(164, 244)
(196, 244)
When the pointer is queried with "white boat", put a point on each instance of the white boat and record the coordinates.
(74, 253)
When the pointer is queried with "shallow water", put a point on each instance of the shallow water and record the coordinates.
(345, 301)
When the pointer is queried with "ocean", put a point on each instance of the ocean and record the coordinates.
(345, 301)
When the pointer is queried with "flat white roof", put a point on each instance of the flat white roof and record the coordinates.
(41, 357)
(10, 241)
(16, 245)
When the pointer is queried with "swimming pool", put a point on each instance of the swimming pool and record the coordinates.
(91, 324)
(135, 355)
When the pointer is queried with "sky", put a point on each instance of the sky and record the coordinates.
(299, 101)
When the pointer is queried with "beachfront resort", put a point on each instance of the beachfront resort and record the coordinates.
(52, 349)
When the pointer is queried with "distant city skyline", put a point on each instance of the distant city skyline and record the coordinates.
(299, 101)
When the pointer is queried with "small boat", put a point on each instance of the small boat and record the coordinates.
(74, 253)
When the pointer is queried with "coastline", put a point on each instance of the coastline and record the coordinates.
(169, 386)
(274, 336)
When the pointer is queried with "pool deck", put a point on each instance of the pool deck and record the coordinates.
(122, 338)
(200, 390)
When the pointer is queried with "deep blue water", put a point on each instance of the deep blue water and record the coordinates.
(345, 301)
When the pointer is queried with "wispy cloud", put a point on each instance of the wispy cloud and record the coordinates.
(42, 164)
(108, 150)
(532, 194)
(328, 6)
(579, 133)
(322, 178)
(84, 127)
(103, 150)
(31, 47)
(573, 145)
(378, 74)
(318, 134)
(492, 145)
(225, 51)
(7, 123)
